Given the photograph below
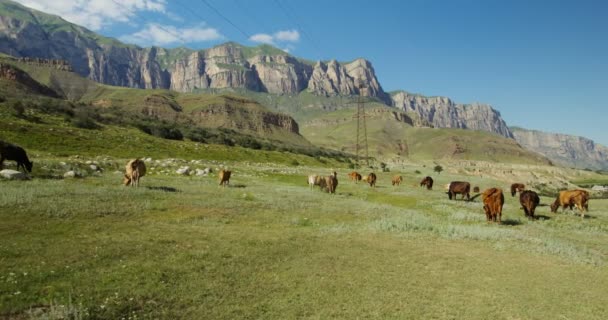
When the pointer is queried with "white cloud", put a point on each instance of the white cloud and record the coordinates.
(279, 36)
(288, 35)
(262, 38)
(155, 34)
(95, 14)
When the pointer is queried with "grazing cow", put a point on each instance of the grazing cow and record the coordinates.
(354, 176)
(371, 179)
(12, 152)
(493, 200)
(331, 182)
(428, 182)
(312, 179)
(397, 180)
(529, 200)
(459, 187)
(224, 177)
(476, 189)
(517, 187)
(135, 169)
(316, 180)
(570, 198)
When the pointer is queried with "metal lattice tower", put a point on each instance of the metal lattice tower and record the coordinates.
(361, 145)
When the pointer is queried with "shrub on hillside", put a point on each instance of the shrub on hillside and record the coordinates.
(84, 119)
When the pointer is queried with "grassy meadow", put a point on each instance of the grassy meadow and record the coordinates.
(269, 247)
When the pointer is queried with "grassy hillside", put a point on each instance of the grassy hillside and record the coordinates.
(181, 247)
(389, 138)
(235, 117)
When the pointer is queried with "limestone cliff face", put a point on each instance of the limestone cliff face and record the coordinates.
(444, 113)
(30, 33)
(567, 150)
(333, 78)
(252, 121)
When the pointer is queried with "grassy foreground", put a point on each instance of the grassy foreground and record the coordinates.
(268, 247)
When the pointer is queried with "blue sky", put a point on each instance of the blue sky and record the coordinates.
(542, 64)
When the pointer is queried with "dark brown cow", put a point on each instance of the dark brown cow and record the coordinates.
(570, 198)
(428, 182)
(517, 187)
(371, 179)
(224, 177)
(12, 152)
(493, 200)
(459, 187)
(529, 200)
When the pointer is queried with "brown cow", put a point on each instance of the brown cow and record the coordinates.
(354, 176)
(371, 179)
(331, 182)
(459, 187)
(134, 170)
(224, 177)
(397, 180)
(428, 182)
(570, 198)
(529, 200)
(517, 187)
(493, 200)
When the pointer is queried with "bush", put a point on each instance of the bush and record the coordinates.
(438, 169)
(295, 163)
(84, 119)
(417, 172)
(18, 108)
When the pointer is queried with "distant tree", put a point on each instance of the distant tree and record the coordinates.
(438, 169)
(384, 167)
(18, 108)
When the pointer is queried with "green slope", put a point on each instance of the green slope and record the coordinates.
(389, 138)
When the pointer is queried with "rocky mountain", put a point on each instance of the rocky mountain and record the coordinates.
(442, 112)
(29, 78)
(563, 149)
(29, 33)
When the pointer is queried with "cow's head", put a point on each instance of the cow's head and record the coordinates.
(29, 165)
(554, 207)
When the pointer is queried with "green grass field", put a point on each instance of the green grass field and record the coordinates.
(269, 247)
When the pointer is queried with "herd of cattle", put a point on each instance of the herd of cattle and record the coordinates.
(493, 198)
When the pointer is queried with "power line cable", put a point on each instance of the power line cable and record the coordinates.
(244, 8)
(296, 21)
(225, 18)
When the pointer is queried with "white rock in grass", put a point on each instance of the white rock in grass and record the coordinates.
(200, 172)
(13, 175)
(71, 174)
(95, 167)
(183, 171)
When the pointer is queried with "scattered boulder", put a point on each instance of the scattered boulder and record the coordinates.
(183, 171)
(201, 172)
(13, 175)
(95, 167)
(71, 174)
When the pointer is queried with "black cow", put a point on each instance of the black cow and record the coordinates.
(12, 152)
